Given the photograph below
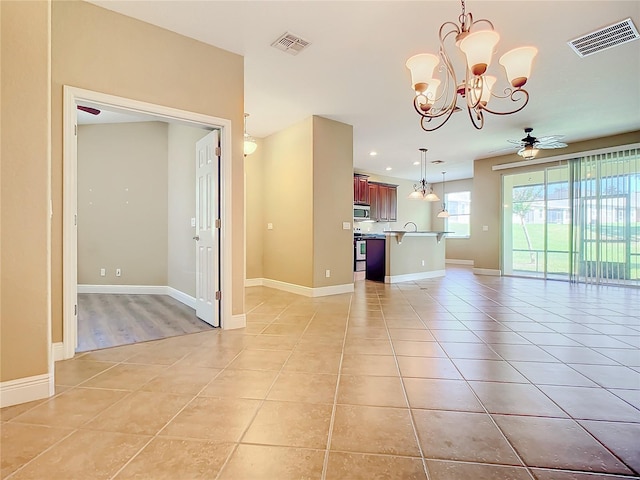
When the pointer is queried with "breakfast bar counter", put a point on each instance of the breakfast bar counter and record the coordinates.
(406, 256)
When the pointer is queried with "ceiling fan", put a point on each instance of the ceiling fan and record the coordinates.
(91, 110)
(530, 145)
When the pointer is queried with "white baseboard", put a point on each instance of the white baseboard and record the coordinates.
(236, 321)
(458, 261)
(182, 297)
(487, 271)
(26, 389)
(308, 291)
(125, 289)
(253, 282)
(408, 277)
(57, 351)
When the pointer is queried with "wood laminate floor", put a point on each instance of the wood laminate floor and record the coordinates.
(109, 320)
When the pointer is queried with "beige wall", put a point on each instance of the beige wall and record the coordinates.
(456, 248)
(122, 203)
(332, 202)
(300, 181)
(288, 204)
(409, 209)
(255, 224)
(407, 257)
(486, 195)
(24, 189)
(103, 51)
(181, 195)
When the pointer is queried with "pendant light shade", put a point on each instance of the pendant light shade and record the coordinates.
(443, 213)
(250, 144)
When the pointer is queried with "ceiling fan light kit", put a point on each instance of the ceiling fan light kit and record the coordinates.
(476, 40)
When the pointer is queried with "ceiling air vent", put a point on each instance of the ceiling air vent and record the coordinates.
(607, 37)
(290, 43)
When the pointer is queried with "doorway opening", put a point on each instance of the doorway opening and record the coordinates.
(76, 208)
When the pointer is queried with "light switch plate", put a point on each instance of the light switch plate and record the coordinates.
(346, 225)
(269, 226)
(485, 228)
(193, 221)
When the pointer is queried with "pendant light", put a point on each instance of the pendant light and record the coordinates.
(250, 144)
(422, 190)
(443, 213)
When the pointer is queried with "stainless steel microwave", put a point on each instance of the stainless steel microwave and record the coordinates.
(361, 213)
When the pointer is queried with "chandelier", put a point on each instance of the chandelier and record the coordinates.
(250, 144)
(476, 39)
(422, 189)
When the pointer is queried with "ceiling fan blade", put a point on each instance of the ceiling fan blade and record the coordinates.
(550, 138)
(515, 142)
(547, 145)
(92, 111)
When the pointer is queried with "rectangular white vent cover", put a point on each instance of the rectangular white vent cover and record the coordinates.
(290, 43)
(607, 37)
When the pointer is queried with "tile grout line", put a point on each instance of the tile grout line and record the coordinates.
(404, 390)
(263, 401)
(334, 407)
(522, 463)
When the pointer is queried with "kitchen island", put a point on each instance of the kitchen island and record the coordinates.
(405, 256)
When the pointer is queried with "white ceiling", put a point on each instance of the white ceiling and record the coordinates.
(354, 71)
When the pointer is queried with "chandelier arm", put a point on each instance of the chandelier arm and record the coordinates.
(477, 122)
(473, 100)
(482, 20)
(511, 95)
(441, 120)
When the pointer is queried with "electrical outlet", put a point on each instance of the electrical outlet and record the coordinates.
(269, 226)
(103, 272)
(485, 228)
(327, 273)
(346, 225)
(118, 272)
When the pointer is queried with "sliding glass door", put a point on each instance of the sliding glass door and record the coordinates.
(578, 222)
(537, 224)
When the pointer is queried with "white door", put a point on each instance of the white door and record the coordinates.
(207, 238)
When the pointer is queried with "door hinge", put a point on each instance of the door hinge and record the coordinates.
(218, 295)
(75, 130)
(218, 223)
(75, 309)
(75, 220)
(218, 151)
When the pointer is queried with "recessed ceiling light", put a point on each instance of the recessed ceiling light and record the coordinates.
(388, 168)
(373, 153)
(416, 163)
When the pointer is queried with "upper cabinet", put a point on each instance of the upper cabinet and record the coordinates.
(383, 199)
(361, 189)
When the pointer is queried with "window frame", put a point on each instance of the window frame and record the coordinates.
(458, 215)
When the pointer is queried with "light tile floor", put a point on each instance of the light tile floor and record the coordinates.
(464, 377)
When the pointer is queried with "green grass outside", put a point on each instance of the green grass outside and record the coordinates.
(559, 241)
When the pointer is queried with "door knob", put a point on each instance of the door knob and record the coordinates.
(197, 237)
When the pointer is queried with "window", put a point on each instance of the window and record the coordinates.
(459, 207)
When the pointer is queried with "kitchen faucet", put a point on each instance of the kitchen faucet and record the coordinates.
(414, 225)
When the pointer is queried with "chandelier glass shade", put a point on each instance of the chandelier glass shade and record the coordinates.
(250, 144)
(437, 98)
(423, 190)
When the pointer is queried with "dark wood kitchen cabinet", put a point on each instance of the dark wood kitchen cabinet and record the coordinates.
(383, 198)
(360, 189)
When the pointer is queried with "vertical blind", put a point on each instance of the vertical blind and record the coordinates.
(606, 217)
